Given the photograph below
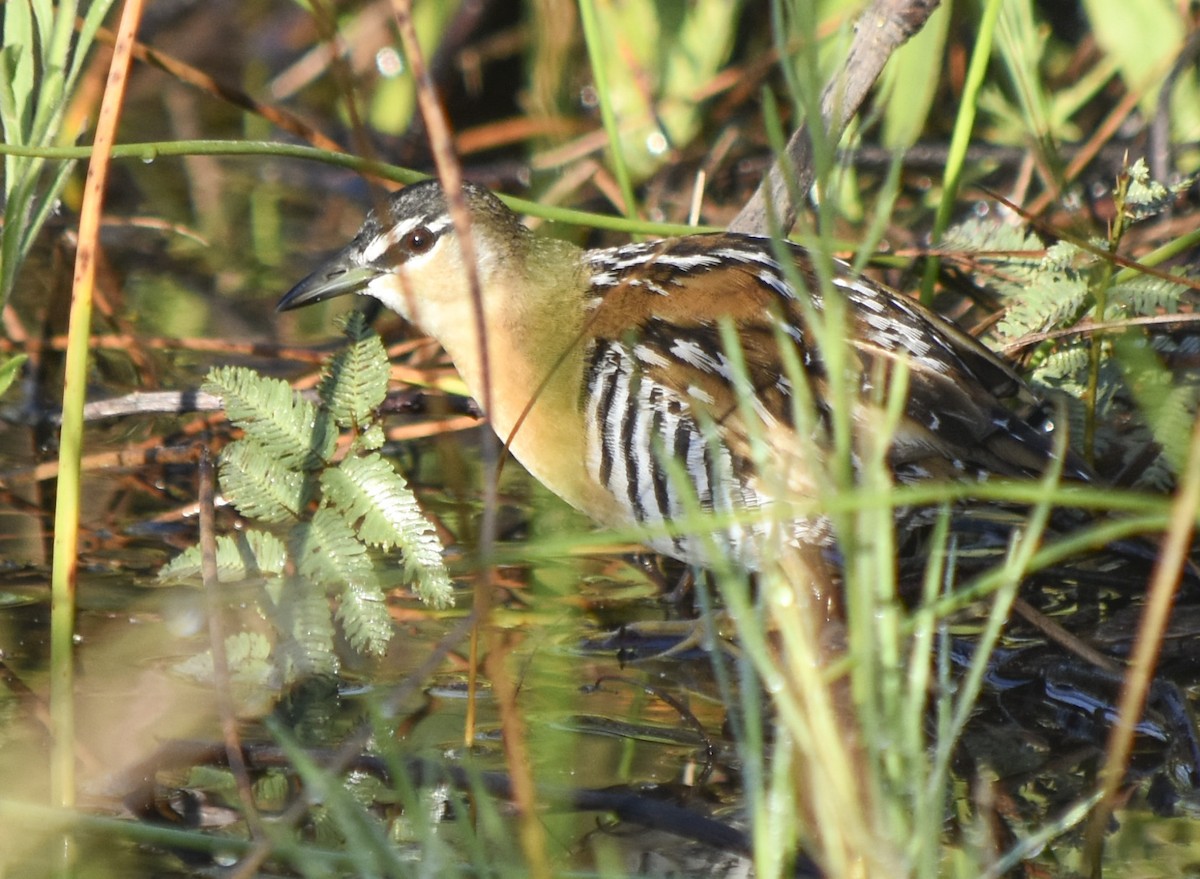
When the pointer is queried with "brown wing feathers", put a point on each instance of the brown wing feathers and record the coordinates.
(660, 302)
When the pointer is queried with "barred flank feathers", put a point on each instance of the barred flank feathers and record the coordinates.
(657, 369)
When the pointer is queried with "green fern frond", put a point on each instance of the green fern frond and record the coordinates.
(1062, 367)
(1017, 254)
(260, 486)
(248, 554)
(283, 462)
(1123, 403)
(1153, 475)
(1169, 407)
(365, 620)
(308, 649)
(1048, 302)
(327, 551)
(1146, 197)
(248, 655)
(355, 380)
(1144, 296)
(984, 235)
(287, 427)
(372, 438)
(1063, 256)
(376, 499)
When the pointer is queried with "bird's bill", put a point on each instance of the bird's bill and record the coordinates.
(337, 277)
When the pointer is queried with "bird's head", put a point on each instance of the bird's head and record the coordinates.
(408, 256)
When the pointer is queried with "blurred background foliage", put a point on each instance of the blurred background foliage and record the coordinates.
(686, 82)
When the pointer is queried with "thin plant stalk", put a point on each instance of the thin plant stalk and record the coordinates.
(216, 636)
(1163, 585)
(515, 740)
(67, 502)
(1100, 293)
(148, 151)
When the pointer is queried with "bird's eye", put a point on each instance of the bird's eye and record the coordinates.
(418, 240)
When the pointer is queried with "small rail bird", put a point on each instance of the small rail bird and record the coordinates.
(610, 379)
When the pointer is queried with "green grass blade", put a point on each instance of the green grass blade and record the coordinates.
(964, 125)
(596, 51)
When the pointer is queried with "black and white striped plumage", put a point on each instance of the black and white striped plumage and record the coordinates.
(609, 377)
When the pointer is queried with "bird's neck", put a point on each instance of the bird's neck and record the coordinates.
(530, 382)
(533, 309)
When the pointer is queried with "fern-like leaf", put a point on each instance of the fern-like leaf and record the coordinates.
(990, 234)
(248, 655)
(249, 554)
(1155, 475)
(376, 499)
(273, 415)
(1063, 367)
(372, 438)
(1063, 256)
(355, 380)
(1146, 197)
(328, 552)
(995, 243)
(1144, 296)
(365, 620)
(1169, 408)
(1051, 302)
(260, 486)
(309, 649)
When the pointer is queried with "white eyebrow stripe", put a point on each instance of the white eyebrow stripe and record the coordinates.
(380, 244)
(439, 225)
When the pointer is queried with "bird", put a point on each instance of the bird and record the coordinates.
(612, 382)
